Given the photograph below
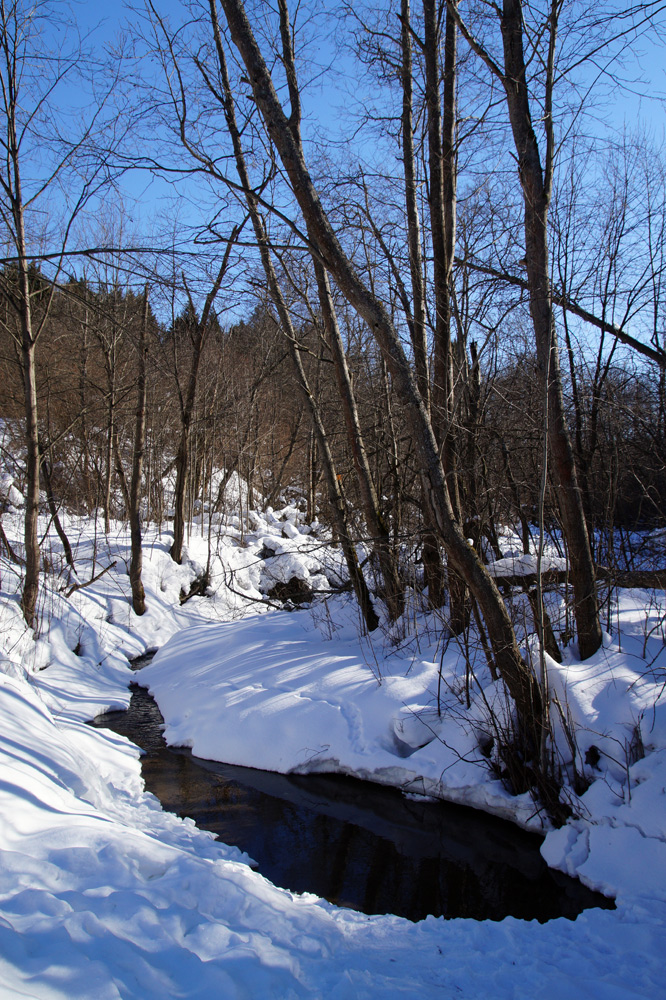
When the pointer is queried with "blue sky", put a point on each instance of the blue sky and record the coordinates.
(648, 61)
(146, 197)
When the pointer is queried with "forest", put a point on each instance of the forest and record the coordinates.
(444, 328)
(333, 376)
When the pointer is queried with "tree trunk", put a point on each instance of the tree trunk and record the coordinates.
(517, 676)
(199, 336)
(442, 202)
(136, 560)
(393, 590)
(28, 360)
(381, 542)
(312, 477)
(536, 192)
(53, 508)
(109, 362)
(418, 319)
(334, 490)
(180, 491)
(83, 397)
(31, 539)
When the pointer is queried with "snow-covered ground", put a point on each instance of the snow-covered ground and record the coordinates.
(104, 895)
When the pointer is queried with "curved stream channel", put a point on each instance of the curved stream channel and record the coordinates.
(356, 844)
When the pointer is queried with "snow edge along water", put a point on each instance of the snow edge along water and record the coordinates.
(103, 893)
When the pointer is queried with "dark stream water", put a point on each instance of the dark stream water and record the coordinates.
(354, 843)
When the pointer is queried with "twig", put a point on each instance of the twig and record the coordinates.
(10, 551)
(81, 586)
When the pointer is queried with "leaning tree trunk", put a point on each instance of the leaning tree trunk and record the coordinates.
(335, 496)
(393, 590)
(332, 480)
(381, 541)
(519, 679)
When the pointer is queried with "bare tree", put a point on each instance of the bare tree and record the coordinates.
(138, 450)
(518, 677)
(39, 164)
(393, 589)
(197, 330)
(333, 480)
(536, 178)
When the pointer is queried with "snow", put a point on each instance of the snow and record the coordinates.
(280, 696)
(521, 564)
(103, 894)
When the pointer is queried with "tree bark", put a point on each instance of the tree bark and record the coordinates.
(441, 197)
(31, 539)
(536, 191)
(136, 558)
(418, 319)
(442, 203)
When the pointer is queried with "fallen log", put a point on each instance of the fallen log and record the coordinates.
(641, 578)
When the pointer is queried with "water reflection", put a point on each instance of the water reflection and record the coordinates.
(355, 843)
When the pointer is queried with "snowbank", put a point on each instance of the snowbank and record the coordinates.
(103, 894)
(276, 694)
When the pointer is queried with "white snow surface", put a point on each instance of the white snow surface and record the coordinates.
(104, 895)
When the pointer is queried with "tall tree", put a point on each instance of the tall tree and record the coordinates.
(45, 171)
(393, 588)
(336, 497)
(536, 179)
(138, 450)
(196, 329)
(519, 679)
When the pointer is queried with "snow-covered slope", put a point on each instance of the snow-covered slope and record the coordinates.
(102, 894)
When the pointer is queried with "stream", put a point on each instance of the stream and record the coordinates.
(352, 842)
